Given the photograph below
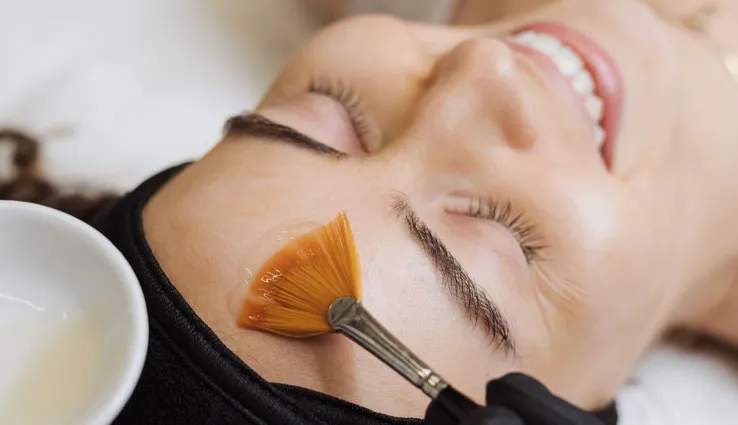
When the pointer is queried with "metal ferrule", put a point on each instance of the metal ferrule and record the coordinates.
(347, 316)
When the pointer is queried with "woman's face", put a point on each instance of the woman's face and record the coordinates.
(495, 231)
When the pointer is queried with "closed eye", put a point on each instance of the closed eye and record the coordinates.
(349, 98)
(503, 213)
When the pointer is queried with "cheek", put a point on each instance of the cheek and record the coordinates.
(402, 291)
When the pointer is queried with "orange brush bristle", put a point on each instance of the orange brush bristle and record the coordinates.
(294, 289)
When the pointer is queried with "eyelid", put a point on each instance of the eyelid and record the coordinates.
(319, 117)
(503, 213)
(347, 96)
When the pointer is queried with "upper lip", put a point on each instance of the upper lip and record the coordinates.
(606, 75)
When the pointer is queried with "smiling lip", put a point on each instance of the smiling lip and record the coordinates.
(607, 78)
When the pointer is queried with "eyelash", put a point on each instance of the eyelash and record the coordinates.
(502, 213)
(349, 98)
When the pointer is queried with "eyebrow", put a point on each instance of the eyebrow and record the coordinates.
(256, 125)
(477, 305)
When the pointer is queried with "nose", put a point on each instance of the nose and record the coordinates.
(479, 83)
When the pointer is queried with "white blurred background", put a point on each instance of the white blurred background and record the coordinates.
(119, 89)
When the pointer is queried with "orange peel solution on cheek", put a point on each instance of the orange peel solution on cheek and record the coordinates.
(258, 254)
(300, 265)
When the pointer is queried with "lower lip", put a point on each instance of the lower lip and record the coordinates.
(607, 77)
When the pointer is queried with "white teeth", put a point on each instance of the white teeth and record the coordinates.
(572, 66)
(545, 44)
(594, 107)
(599, 136)
(525, 37)
(567, 61)
(583, 83)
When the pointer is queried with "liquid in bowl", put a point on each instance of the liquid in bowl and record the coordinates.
(50, 361)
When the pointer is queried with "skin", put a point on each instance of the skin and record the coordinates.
(453, 113)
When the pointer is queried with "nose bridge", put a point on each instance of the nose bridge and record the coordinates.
(486, 61)
(475, 93)
(482, 71)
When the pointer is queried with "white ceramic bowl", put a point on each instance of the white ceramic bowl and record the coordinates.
(73, 325)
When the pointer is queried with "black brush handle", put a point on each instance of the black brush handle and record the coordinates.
(454, 408)
(456, 404)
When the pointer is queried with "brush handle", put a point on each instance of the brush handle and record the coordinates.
(348, 316)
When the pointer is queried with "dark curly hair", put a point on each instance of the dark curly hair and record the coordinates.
(29, 185)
